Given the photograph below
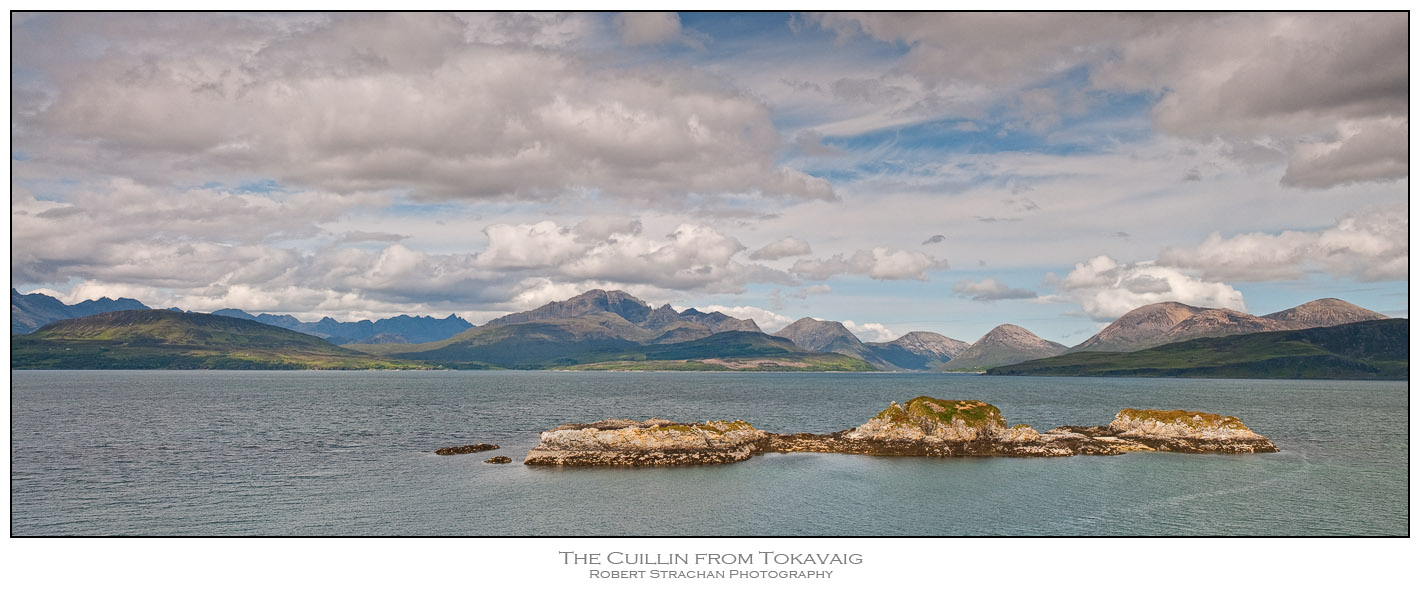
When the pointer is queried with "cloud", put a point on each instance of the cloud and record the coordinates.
(370, 102)
(1371, 244)
(1106, 289)
(810, 143)
(652, 28)
(870, 332)
(1238, 77)
(936, 238)
(782, 248)
(1369, 150)
(767, 320)
(801, 294)
(361, 236)
(987, 290)
(878, 263)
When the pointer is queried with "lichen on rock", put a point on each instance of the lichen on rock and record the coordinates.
(924, 426)
(1185, 431)
(1178, 423)
(653, 442)
(933, 420)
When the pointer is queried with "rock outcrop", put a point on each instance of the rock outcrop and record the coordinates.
(465, 449)
(499, 460)
(924, 426)
(654, 442)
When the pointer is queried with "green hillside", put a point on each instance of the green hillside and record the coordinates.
(1374, 350)
(730, 351)
(604, 341)
(163, 339)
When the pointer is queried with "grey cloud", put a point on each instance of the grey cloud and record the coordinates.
(1288, 78)
(988, 290)
(359, 236)
(936, 238)
(868, 90)
(649, 28)
(878, 263)
(810, 143)
(1378, 151)
(1145, 284)
(782, 248)
(337, 97)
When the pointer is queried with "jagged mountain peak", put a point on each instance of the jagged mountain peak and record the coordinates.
(617, 302)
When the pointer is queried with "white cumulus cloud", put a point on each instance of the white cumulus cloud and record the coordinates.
(1106, 289)
(1371, 244)
(870, 332)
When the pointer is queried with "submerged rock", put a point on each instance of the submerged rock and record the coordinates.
(465, 449)
(499, 460)
(653, 442)
(924, 426)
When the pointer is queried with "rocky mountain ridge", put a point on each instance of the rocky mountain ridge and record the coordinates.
(29, 312)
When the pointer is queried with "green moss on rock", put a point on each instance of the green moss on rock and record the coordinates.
(971, 412)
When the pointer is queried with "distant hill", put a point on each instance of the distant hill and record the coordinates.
(29, 312)
(665, 323)
(598, 341)
(1004, 345)
(918, 350)
(733, 350)
(832, 337)
(527, 345)
(1168, 322)
(163, 339)
(1325, 312)
(402, 328)
(1366, 350)
(1139, 328)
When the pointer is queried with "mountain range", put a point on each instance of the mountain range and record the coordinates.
(29, 312)
(1168, 322)
(400, 329)
(165, 339)
(1365, 350)
(615, 330)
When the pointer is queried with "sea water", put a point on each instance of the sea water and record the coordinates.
(352, 453)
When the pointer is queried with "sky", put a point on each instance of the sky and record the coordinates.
(945, 172)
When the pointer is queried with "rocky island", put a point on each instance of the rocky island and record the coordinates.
(924, 426)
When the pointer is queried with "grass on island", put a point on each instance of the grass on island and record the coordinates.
(972, 413)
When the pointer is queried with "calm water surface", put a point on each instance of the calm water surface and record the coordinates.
(351, 453)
